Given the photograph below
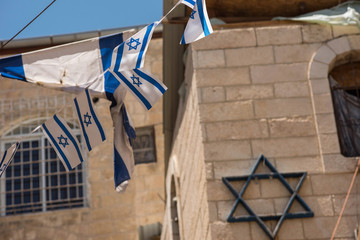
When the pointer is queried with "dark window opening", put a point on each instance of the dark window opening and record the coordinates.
(144, 145)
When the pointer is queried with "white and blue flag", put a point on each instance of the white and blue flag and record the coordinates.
(7, 157)
(199, 25)
(64, 143)
(131, 53)
(91, 127)
(144, 86)
(189, 3)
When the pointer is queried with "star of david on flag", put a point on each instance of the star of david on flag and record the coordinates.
(7, 157)
(131, 53)
(91, 127)
(199, 25)
(64, 143)
(150, 91)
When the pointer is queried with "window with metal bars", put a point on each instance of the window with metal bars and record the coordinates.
(144, 145)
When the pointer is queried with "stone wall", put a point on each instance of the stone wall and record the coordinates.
(109, 215)
(258, 93)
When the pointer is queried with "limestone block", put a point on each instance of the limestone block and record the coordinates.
(340, 30)
(209, 171)
(323, 103)
(354, 42)
(339, 45)
(230, 231)
(285, 107)
(286, 147)
(291, 229)
(232, 168)
(325, 55)
(302, 164)
(278, 73)
(336, 163)
(294, 53)
(291, 89)
(222, 76)
(249, 56)
(331, 183)
(212, 212)
(234, 93)
(232, 38)
(127, 224)
(210, 59)
(316, 33)
(329, 143)
(101, 227)
(226, 111)
(322, 206)
(278, 35)
(212, 94)
(291, 127)
(320, 86)
(318, 70)
(227, 150)
(217, 191)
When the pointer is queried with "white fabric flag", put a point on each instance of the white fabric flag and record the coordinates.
(189, 3)
(131, 53)
(144, 86)
(64, 143)
(7, 157)
(91, 127)
(199, 25)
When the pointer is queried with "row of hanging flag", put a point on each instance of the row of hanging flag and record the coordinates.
(107, 67)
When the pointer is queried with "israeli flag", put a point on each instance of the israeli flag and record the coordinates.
(69, 67)
(64, 143)
(189, 3)
(131, 53)
(144, 86)
(92, 130)
(199, 25)
(7, 157)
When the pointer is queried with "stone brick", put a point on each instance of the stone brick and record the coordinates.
(286, 147)
(340, 30)
(320, 86)
(226, 111)
(351, 207)
(326, 123)
(278, 73)
(286, 107)
(210, 59)
(336, 163)
(227, 150)
(212, 212)
(291, 89)
(234, 93)
(217, 191)
(236, 130)
(354, 42)
(212, 94)
(295, 53)
(325, 55)
(316, 33)
(291, 127)
(259, 234)
(222, 76)
(318, 70)
(278, 35)
(303, 164)
(339, 45)
(209, 171)
(249, 56)
(296, 231)
(323, 103)
(232, 38)
(321, 205)
(230, 231)
(331, 183)
(232, 168)
(329, 143)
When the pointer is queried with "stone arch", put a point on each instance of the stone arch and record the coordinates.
(331, 54)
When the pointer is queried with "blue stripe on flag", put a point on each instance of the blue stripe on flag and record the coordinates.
(2, 160)
(82, 125)
(12, 67)
(94, 115)
(57, 147)
(119, 56)
(130, 131)
(137, 93)
(150, 80)
(202, 17)
(121, 173)
(144, 44)
(183, 39)
(68, 134)
(190, 1)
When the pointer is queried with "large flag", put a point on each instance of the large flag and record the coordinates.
(69, 67)
(90, 125)
(7, 157)
(64, 143)
(199, 25)
(131, 53)
(144, 86)
(189, 3)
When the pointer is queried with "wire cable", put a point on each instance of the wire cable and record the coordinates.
(27, 24)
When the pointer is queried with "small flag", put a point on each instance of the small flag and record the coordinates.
(199, 25)
(189, 3)
(131, 53)
(7, 157)
(64, 143)
(144, 86)
(90, 125)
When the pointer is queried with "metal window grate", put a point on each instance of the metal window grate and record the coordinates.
(36, 180)
(144, 145)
